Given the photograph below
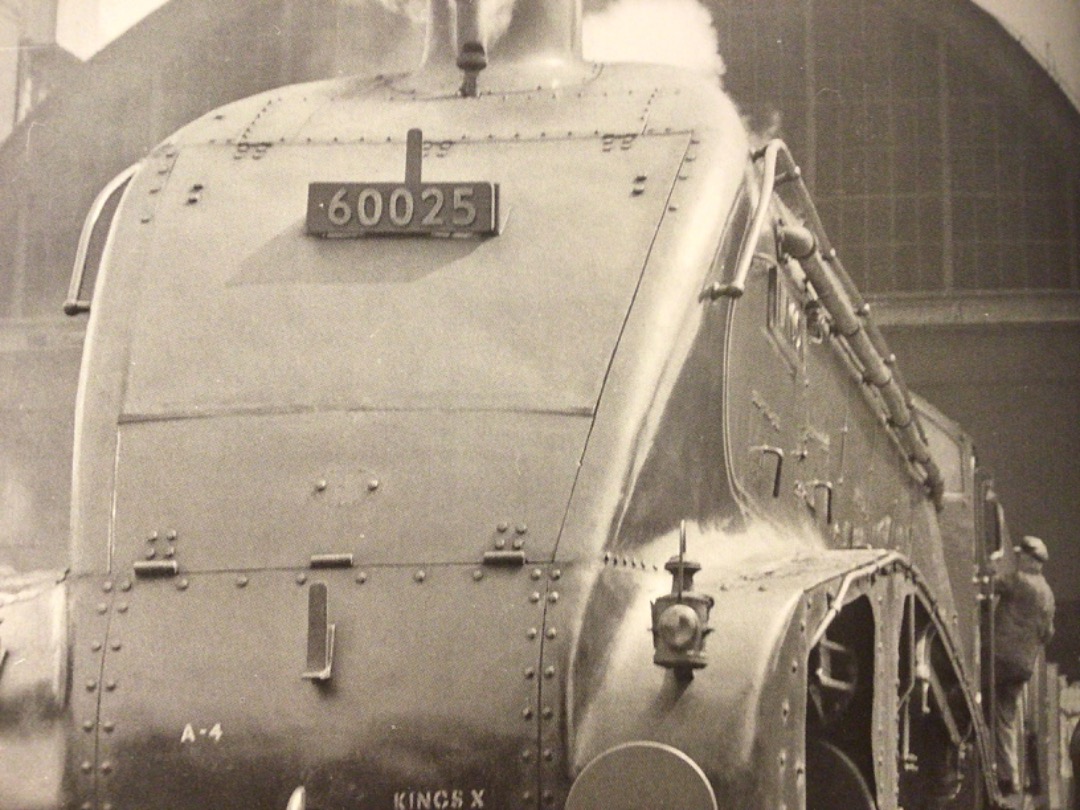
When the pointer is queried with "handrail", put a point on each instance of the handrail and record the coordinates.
(746, 257)
(837, 604)
(74, 304)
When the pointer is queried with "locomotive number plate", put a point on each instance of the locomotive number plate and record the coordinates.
(362, 209)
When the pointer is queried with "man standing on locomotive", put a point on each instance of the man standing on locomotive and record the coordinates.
(1023, 624)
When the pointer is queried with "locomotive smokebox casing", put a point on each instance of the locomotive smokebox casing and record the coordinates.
(398, 396)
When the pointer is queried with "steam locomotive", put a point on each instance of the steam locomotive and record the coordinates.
(507, 434)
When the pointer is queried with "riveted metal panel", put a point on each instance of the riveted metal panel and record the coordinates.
(752, 688)
(254, 314)
(388, 487)
(203, 699)
(94, 602)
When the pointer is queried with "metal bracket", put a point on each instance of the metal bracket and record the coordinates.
(320, 640)
(156, 568)
(509, 559)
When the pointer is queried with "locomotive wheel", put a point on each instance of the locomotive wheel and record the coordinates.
(833, 780)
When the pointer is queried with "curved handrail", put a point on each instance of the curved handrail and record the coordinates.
(73, 305)
(737, 286)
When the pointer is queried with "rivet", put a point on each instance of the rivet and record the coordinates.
(116, 644)
(85, 767)
(150, 554)
(107, 587)
(549, 797)
(794, 666)
(527, 713)
(320, 485)
(531, 634)
(109, 727)
(373, 484)
(125, 586)
(110, 685)
(500, 543)
(144, 219)
(526, 755)
(782, 759)
(530, 673)
(102, 608)
(241, 581)
(553, 597)
(171, 537)
(548, 712)
(420, 576)
(549, 755)
(361, 578)
(502, 527)
(556, 574)
(170, 552)
(477, 575)
(106, 767)
(521, 528)
(549, 672)
(551, 633)
(519, 544)
(536, 573)
(88, 725)
(301, 579)
(182, 585)
(96, 646)
(87, 806)
(527, 795)
(534, 597)
(122, 607)
(91, 685)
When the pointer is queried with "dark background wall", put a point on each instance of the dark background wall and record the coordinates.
(945, 162)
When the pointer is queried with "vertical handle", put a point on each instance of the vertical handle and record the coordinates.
(778, 476)
(320, 637)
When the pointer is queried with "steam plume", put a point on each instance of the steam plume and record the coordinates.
(495, 15)
(415, 10)
(672, 32)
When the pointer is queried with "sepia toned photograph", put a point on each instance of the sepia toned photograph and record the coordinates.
(540, 404)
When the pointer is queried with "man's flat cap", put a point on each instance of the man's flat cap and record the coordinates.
(1035, 547)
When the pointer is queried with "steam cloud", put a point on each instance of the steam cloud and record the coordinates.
(495, 15)
(670, 32)
(415, 10)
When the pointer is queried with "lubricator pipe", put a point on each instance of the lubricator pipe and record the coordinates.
(842, 300)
